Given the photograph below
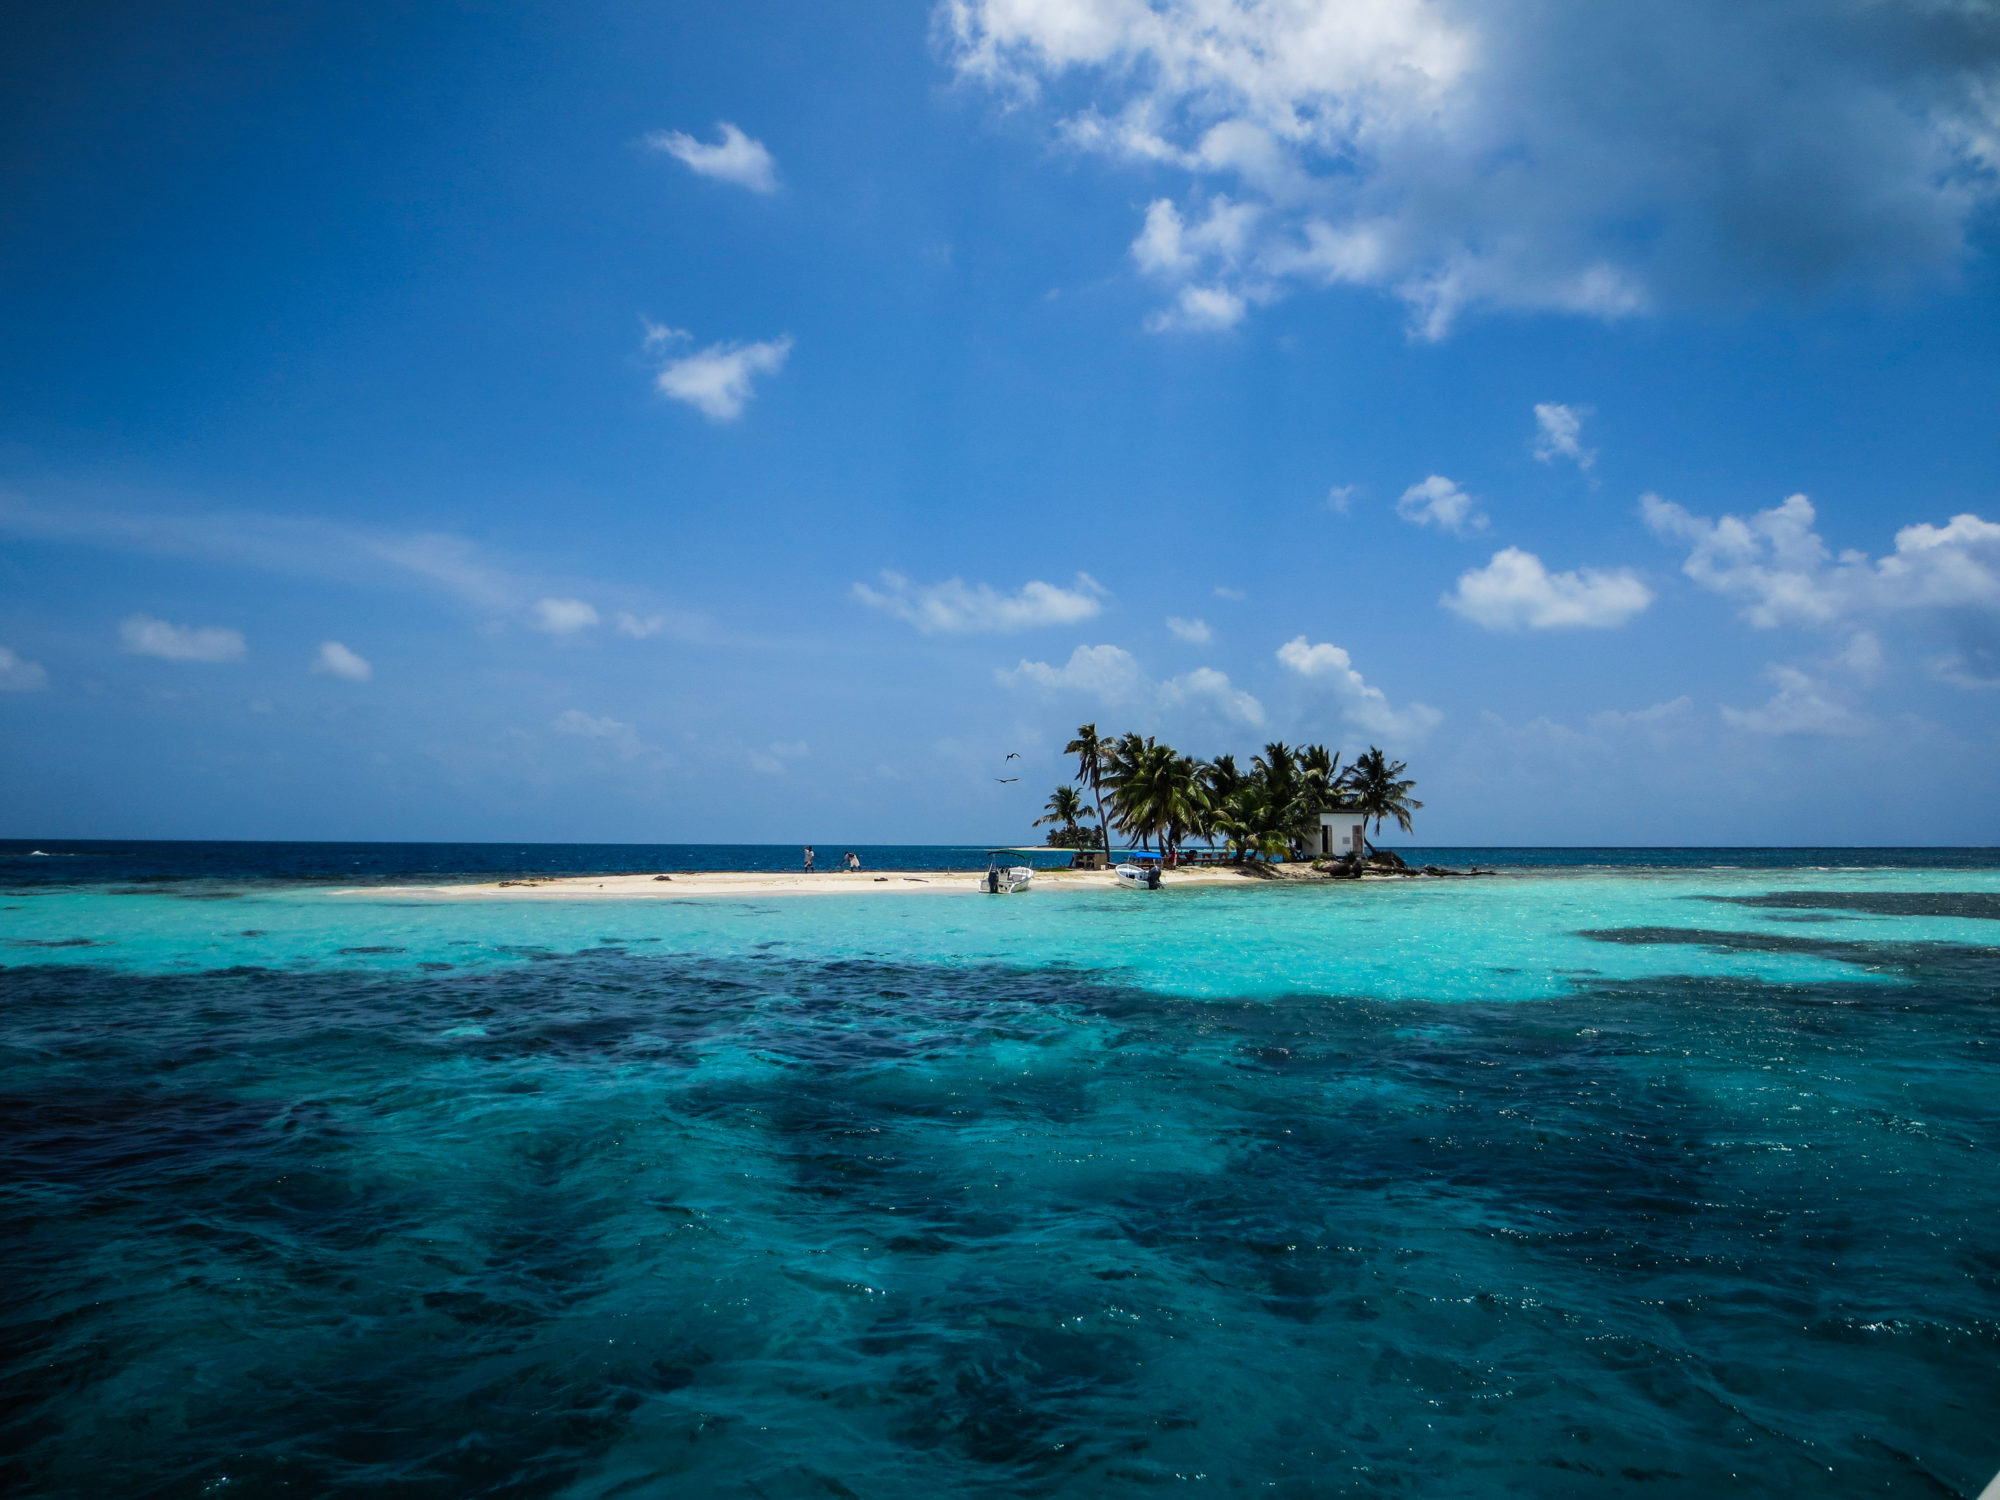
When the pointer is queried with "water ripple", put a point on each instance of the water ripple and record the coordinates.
(626, 1222)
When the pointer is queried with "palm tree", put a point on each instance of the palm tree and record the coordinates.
(1092, 757)
(1278, 768)
(1221, 780)
(1256, 817)
(1285, 799)
(1225, 796)
(1379, 792)
(1128, 775)
(1126, 771)
(1065, 807)
(1156, 792)
(1212, 784)
(1323, 787)
(1325, 782)
(1180, 800)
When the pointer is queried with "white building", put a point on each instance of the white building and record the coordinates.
(1342, 833)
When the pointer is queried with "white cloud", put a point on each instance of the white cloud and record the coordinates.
(563, 617)
(291, 545)
(1209, 689)
(1438, 502)
(1195, 632)
(735, 158)
(1956, 565)
(1322, 660)
(772, 762)
(1198, 309)
(1111, 675)
(720, 380)
(145, 636)
(612, 733)
(639, 627)
(1367, 708)
(1784, 572)
(1779, 568)
(1161, 248)
(1774, 559)
(659, 335)
(1803, 704)
(1559, 434)
(1171, 250)
(1978, 667)
(337, 660)
(1817, 698)
(1340, 498)
(451, 563)
(1168, 246)
(1501, 155)
(956, 607)
(1235, 596)
(305, 547)
(1514, 592)
(1658, 716)
(18, 675)
(1104, 672)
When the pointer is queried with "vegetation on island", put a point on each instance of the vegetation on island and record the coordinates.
(1153, 794)
(1066, 807)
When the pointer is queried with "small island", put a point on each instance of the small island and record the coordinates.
(1295, 816)
(1292, 806)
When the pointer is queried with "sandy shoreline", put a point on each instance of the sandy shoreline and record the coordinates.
(798, 883)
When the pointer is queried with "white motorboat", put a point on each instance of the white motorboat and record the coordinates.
(1003, 879)
(1139, 872)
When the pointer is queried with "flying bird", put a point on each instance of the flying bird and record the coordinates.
(1013, 755)
(1006, 780)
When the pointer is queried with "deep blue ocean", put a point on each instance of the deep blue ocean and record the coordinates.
(1664, 1173)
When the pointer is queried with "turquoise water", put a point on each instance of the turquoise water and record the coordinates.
(1508, 938)
(1654, 1177)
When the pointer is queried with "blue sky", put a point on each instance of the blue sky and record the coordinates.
(751, 423)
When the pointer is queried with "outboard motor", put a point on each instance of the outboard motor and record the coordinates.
(993, 882)
(1152, 877)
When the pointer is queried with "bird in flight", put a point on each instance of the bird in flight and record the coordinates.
(1006, 780)
(1013, 755)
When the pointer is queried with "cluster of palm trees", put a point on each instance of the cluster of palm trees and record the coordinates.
(1152, 793)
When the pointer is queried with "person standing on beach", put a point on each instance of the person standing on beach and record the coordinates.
(809, 859)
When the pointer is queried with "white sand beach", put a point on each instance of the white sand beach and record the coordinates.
(676, 886)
